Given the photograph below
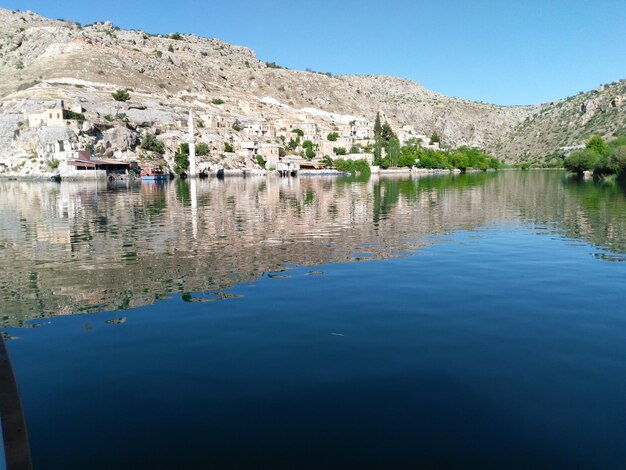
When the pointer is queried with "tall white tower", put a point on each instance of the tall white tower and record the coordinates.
(192, 147)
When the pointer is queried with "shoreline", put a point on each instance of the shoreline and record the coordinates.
(254, 172)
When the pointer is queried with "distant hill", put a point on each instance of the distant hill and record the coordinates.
(566, 123)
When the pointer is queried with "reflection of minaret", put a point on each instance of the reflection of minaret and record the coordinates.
(192, 147)
(193, 193)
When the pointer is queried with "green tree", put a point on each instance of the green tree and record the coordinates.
(378, 128)
(181, 159)
(378, 150)
(121, 95)
(339, 151)
(228, 148)
(459, 160)
(581, 160)
(308, 148)
(386, 132)
(617, 159)
(393, 150)
(597, 144)
(333, 136)
(434, 138)
(407, 158)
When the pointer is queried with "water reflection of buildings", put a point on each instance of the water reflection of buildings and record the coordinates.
(71, 248)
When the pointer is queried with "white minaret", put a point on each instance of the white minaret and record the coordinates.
(192, 147)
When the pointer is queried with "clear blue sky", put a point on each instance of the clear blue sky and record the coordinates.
(504, 52)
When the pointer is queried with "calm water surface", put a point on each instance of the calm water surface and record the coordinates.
(470, 321)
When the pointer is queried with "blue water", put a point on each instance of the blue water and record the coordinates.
(497, 345)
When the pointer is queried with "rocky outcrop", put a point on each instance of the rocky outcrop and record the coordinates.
(117, 139)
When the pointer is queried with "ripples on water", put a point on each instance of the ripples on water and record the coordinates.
(454, 321)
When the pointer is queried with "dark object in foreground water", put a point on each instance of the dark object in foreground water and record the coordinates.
(16, 447)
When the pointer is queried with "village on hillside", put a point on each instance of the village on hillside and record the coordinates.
(64, 139)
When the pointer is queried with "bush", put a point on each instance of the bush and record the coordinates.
(151, 143)
(261, 161)
(581, 160)
(217, 101)
(170, 48)
(339, 151)
(333, 136)
(19, 65)
(53, 164)
(176, 36)
(353, 166)
(228, 147)
(406, 159)
(617, 159)
(202, 149)
(121, 95)
(299, 132)
(237, 125)
(75, 116)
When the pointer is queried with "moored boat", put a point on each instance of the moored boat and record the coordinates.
(154, 174)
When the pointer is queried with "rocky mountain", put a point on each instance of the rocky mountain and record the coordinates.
(43, 61)
(559, 126)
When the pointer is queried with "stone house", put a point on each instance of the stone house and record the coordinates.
(213, 120)
(52, 116)
(259, 129)
(59, 143)
(310, 131)
(270, 152)
(363, 132)
(247, 148)
(283, 127)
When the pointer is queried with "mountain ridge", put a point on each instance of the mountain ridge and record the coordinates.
(42, 59)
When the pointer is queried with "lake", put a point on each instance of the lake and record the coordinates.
(458, 321)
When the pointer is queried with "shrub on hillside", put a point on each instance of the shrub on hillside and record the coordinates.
(151, 143)
(121, 95)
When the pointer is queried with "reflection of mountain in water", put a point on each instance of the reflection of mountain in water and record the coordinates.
(77, 248)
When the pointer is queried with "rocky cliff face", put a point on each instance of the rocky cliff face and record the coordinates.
(567, 123)
(42, 60)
